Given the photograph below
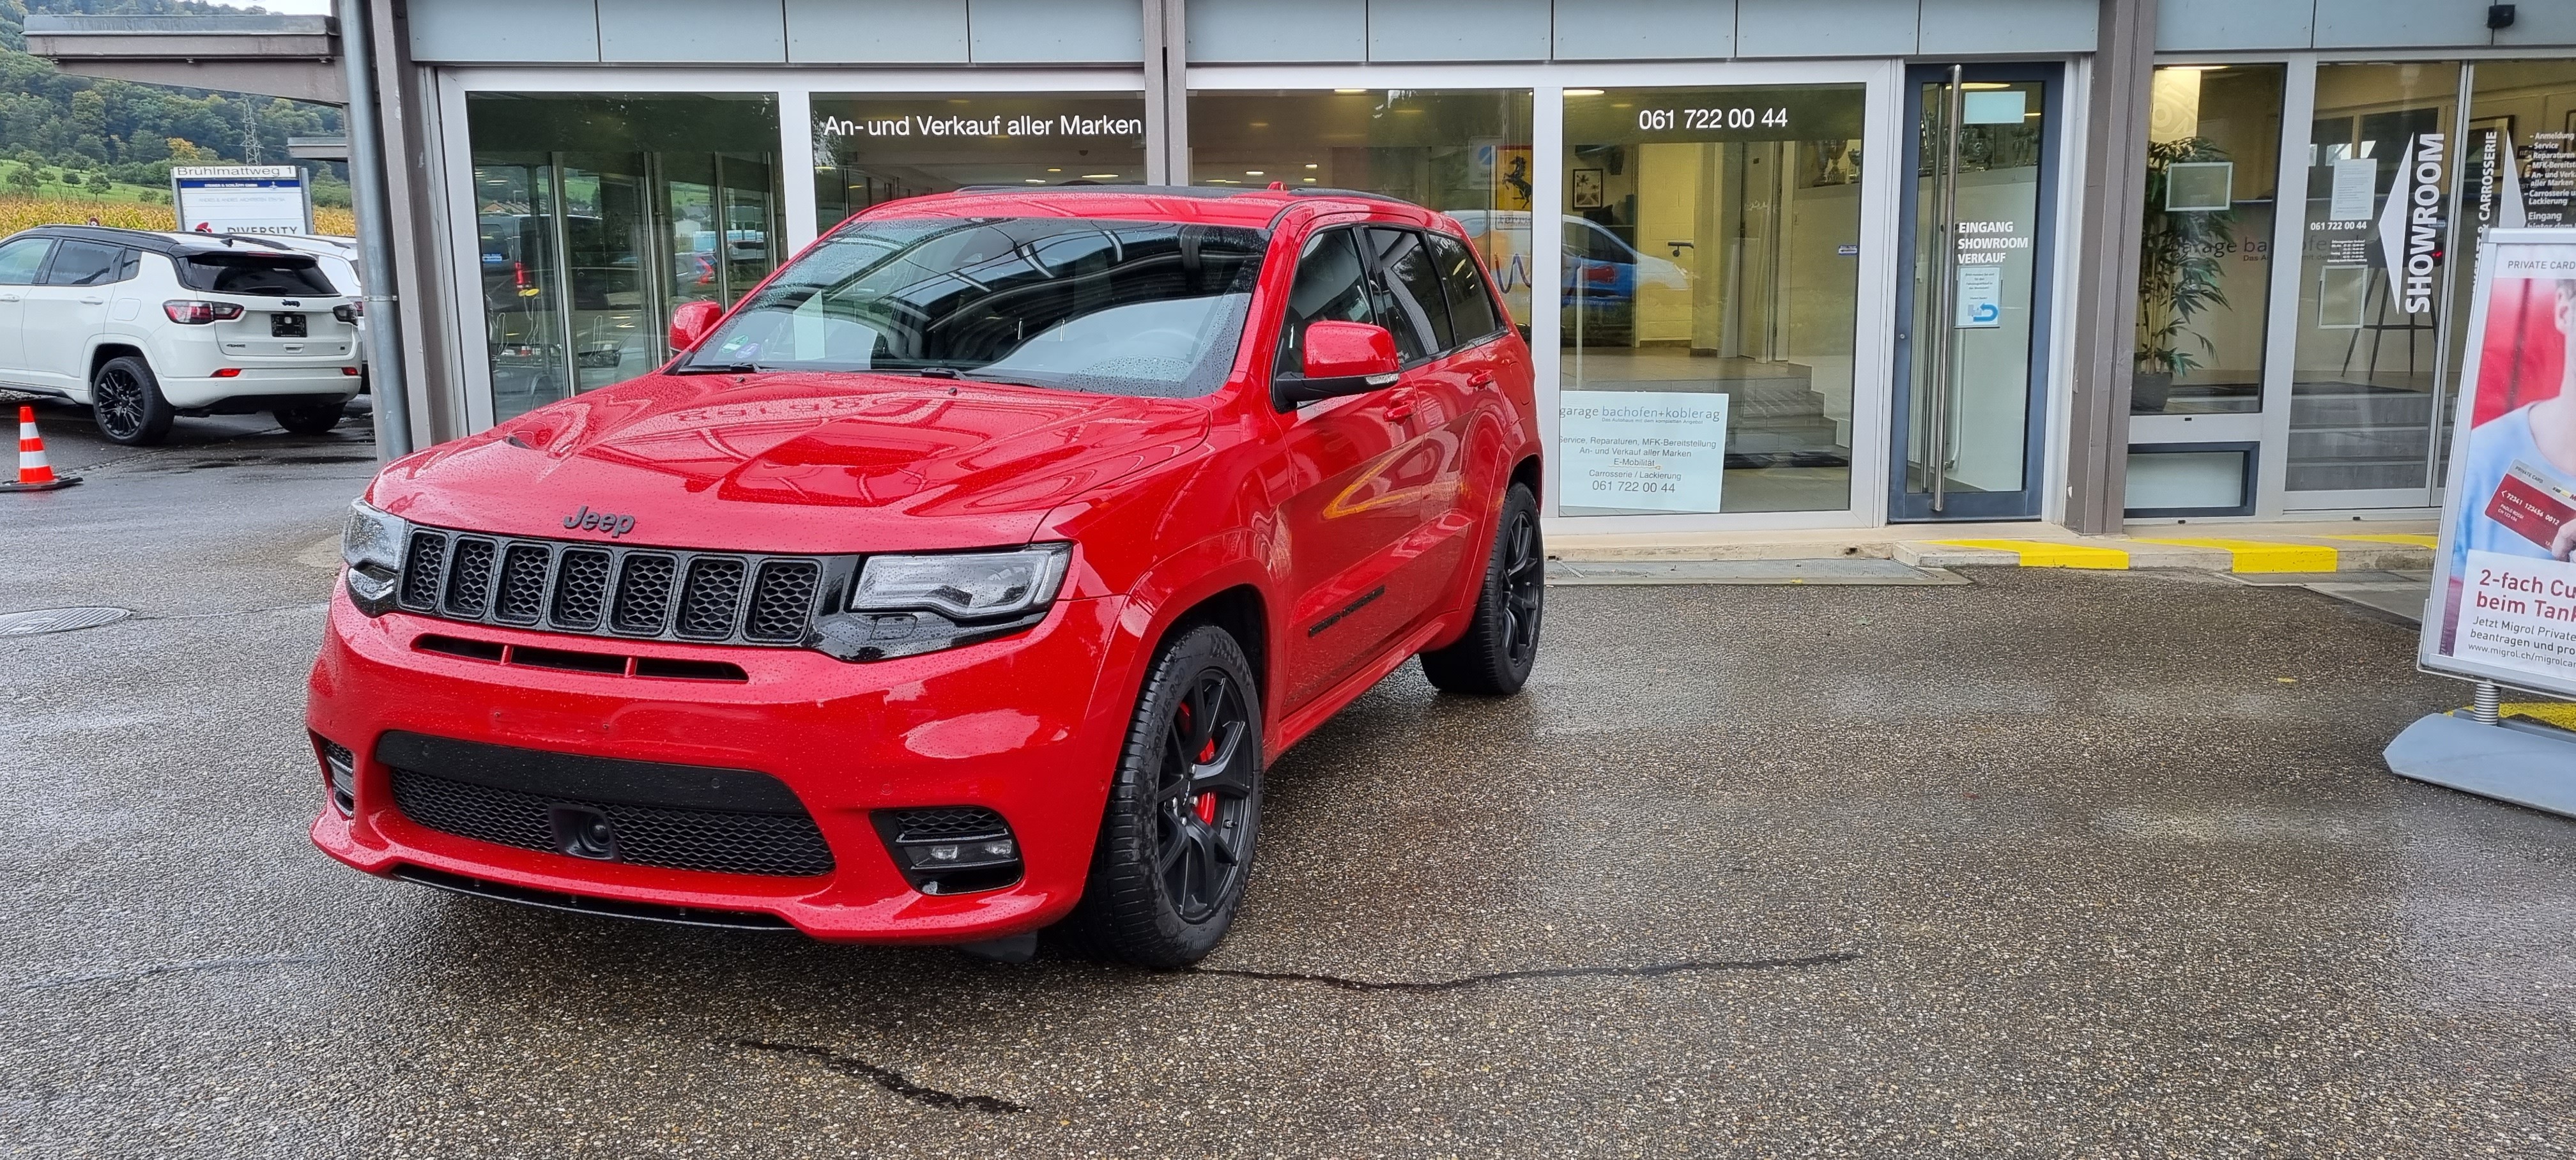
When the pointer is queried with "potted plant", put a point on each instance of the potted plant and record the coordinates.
(2179, 258)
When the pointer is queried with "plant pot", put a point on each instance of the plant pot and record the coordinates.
(2148, 392)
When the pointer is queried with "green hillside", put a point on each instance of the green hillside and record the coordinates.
(115, 140)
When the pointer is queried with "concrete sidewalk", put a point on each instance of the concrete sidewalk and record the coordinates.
(2304, 546)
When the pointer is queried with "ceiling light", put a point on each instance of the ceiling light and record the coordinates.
(1098, 176)
(1310, 179)
(1254, 173)
(1053, 170)
(1034, 180)
(1261, 124)
(1582, 92)
(1982, 85)
(1312, 165)
(1350, 92)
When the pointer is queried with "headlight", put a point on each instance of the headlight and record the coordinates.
(906, 605)
(371, 544)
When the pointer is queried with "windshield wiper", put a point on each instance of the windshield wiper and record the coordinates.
(732, 368)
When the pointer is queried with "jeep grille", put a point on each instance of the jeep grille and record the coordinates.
(600, 590)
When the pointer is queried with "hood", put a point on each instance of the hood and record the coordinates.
(792, 462)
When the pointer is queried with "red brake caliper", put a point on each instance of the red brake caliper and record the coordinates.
(1207, 801)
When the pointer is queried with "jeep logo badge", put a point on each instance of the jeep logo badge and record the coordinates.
(591, 521)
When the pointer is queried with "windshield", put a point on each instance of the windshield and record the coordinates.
(1116, 307)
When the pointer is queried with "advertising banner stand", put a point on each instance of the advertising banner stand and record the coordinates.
(2502, 611)
(241, 199)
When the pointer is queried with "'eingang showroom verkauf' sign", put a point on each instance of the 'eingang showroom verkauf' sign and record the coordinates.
(1659, 451)
(2504, 590)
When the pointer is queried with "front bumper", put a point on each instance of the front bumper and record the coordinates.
(1028, 726)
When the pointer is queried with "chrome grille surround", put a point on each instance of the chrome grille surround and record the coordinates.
(640, 593)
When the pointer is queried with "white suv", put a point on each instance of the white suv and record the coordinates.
(146, 326)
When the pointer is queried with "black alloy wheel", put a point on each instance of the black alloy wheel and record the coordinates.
(1177, 835)
(1494, 658)
(126, 401)
(1202, 808)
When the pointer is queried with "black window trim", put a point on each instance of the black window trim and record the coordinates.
(1484, 286)
(116, 269)
(1375, 271)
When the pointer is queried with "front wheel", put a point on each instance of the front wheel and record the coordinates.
(1176, 839)
(1501, 644)
(126, 400)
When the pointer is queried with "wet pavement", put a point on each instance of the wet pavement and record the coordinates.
(2047, 864)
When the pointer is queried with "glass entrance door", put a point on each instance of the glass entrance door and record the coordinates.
(1971, 353)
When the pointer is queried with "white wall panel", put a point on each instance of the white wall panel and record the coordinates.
(2404, 23)
(1824, 28)
(504, 30)
(1644, 29)
(1401, 30)
(1056, 31)
(693, 32)
(876, 31)
(2551, 22)
(2222, 25)
(1955, 27)
(1286, 31)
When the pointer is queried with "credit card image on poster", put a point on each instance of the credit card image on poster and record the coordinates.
(2527, 502)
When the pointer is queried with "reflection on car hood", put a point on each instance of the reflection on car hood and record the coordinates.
(804, 462)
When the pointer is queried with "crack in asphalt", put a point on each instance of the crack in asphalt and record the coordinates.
(887, 1078)
(189, 966)
(1646, 972)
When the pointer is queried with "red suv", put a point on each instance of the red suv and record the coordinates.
(958, 582)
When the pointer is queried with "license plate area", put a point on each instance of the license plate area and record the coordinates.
(286, 326)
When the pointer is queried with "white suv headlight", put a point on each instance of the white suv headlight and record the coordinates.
(903, 605)
(371, 544)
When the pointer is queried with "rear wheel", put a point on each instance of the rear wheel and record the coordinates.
(310, 418)
(1176, 839)
(1501, 644)
(126, 400)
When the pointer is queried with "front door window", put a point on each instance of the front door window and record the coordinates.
(1972, 353)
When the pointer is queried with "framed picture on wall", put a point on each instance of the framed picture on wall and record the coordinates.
(1586, 188)
(2199, 186)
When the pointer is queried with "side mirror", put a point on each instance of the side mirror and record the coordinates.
(691, 322)
(1342, 358)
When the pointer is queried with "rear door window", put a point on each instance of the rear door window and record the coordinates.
(258, 275)
(1410, 302)
(84, 264)
(1471, 308)
(1331, 286)
(19, 260)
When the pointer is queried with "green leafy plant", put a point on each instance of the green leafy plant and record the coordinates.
(2179, 264)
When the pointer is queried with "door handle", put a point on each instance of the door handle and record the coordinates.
(8, 297)
(93, 302)
(1481, 379)
(1399, 411)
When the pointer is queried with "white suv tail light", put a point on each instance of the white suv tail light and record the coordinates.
(196, 312)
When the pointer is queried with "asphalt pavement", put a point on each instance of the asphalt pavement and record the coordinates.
(2045, 864)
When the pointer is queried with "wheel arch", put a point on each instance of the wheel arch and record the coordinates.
(103, 353)
(1244, 614)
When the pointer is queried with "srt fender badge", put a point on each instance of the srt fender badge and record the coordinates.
(591, 521)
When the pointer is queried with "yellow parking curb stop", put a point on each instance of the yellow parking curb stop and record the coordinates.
(2049, 554)
(2263, 555)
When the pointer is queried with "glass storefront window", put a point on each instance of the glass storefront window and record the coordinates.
(1465, 153)
(2205, 256)
(870, 149)
(596, 215)
(2372, 273)
(1710, 282)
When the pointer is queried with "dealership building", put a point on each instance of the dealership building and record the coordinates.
(1906, 260)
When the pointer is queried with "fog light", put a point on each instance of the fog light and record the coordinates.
(951, 849)
(339, 775)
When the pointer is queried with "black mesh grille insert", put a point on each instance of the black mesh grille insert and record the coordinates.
(711, 597)
(523, 584)
(424, 565)
(947, 822)
(783, 601)
(581, 592)
(602, 589)
(643, 594)
(469, 584)
(720, 841)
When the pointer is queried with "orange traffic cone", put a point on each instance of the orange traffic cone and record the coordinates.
(34, 474)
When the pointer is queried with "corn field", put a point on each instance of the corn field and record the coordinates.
(19, 213)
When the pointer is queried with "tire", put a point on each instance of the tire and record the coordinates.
(1501, 645)
(310, 418)
(125, 399)
(1176, 839)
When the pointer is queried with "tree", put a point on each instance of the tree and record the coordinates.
(23, 179)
